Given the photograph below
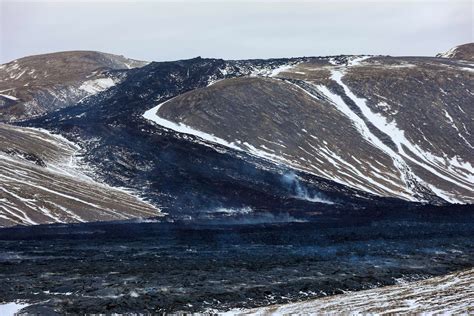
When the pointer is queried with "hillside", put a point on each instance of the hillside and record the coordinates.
(41, 181)
(35, 85)
(398, 127)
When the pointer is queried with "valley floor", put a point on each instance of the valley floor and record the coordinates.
(452, 293)
(160, 267)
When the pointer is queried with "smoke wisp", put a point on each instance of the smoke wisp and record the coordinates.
(300, 191)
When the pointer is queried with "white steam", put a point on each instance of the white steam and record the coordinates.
(300, 191)
(233, 211)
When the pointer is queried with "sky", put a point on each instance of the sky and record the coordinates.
(239, 29)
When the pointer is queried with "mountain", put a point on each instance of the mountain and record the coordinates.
(187, 176)
(463, 52)
(280, 139)
(397, 127)
(34, 85)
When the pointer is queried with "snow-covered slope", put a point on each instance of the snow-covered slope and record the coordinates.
(354, 120)
(41, 181)
(449, 294)
(32, 86)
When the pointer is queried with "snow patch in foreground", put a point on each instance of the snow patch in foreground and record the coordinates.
(10, 309)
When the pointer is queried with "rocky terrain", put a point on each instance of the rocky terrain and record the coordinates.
(41, 181)
(35, 85)
(189, 266)
(187, 175)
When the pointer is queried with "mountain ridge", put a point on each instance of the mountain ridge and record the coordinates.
(192, 178)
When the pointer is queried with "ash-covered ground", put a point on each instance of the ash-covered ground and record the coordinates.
(184, 266)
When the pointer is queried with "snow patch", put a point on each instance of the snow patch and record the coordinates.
(422, 158)
(357, 60)
(9, 97)
(233, 211)
(11, 309)
(97, 85)
(280, 69)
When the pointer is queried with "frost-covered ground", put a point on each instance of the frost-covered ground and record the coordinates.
(448, 295)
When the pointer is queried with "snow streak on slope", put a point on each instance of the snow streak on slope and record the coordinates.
(367, 134)
(181, 128)
(9, 97)
(237, 144)
(449, 294)
(405, 149)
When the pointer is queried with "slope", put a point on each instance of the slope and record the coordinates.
(396, 127)
(41, 182)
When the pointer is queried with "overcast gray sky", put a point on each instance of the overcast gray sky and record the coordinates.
(160, 30)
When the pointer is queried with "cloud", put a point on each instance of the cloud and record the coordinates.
(162, 30)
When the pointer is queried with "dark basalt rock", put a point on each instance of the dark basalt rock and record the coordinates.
(163, 267)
